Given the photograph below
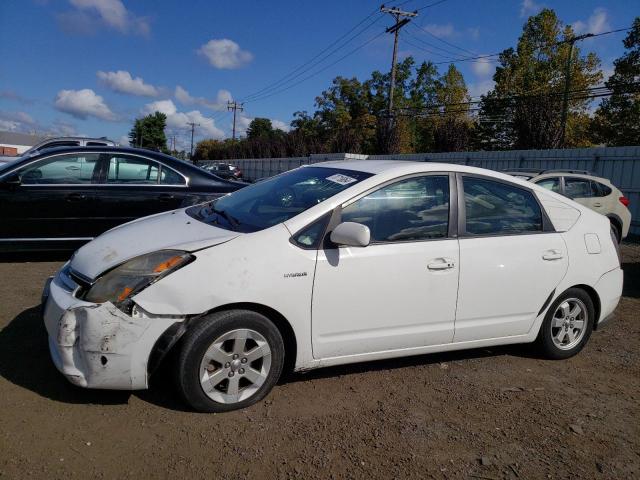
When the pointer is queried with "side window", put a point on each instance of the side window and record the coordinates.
(495, 208)
(552, 184)
(412, 209)
(578, 187)
(170, 177)
(310, 236)
(61, 169)
(601, 189)
(132, 170)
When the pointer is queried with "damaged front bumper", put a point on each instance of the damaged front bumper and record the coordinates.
(98, 345)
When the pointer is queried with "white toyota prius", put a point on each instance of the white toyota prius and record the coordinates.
(329, 264)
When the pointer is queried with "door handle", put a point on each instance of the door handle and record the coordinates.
(552, 255)
(76, 197)
(165, 197)
(441, 264)
(597, 204)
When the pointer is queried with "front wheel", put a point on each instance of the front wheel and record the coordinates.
(229, 360)
(567, 325)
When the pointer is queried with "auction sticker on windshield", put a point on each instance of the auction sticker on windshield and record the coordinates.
(341, 179)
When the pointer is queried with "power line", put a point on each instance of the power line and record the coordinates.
(445, 41)
(311, 63)
(351, 52)
(431, 5)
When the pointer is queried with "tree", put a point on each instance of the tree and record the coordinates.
(452, 123)
(617, 120)
(148, 132)
(524, 108)
(260, 127)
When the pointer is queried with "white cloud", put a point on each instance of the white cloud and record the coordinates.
(440, 30)
(225, 54)
(16, 121)
(123, 140)
(529, 7)
(280, 125)
(480, 88)
(482, 67)
(111, 13)
(179, 120)
(220, 103)
(83, 104)
(598, 22)
(122, 82)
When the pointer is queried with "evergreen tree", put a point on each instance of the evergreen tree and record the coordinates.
(617, 120)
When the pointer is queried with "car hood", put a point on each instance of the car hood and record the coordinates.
(169, 230)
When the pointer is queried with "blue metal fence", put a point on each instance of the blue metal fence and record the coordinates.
(621, 165)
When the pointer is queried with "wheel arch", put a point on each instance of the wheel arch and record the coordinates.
(617, 221)
(595, 298)
(282, 324)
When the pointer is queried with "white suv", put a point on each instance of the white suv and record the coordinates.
(596, 193)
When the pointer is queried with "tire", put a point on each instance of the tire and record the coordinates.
(559, 335)
(244, 358)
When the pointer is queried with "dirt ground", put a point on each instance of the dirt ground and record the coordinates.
(488, 414)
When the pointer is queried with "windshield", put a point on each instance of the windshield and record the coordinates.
(276, 199)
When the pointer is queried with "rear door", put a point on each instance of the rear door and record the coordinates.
(585, 192)
(510, 259)
(54, 199)
(133, 186)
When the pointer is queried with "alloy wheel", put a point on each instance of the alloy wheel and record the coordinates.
(568, 324)
(235, 366)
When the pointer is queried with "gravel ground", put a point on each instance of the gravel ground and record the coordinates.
(489, 414)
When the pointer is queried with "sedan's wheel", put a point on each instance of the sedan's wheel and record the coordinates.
(235, 366)
(229, 360)
(567, 325)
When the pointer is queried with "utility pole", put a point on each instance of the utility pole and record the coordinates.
(235, 106)
(193, 127)
(402, 18)
(567, 84)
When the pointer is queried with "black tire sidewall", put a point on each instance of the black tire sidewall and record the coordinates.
(545, 340)
(198, 339)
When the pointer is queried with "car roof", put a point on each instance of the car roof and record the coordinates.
(569, 174)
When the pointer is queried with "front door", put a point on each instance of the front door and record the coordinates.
(53, 198)
(510, 263)
(400, 291)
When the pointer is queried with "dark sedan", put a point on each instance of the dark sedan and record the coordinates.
(66, 196)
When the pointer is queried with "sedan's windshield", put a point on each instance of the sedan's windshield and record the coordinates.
(276, 199)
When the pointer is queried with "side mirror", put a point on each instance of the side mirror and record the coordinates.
(11, 181)
(351, 234)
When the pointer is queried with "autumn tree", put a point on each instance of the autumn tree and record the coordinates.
(617, 120)
(524, 108)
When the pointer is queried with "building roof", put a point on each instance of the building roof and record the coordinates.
(16, 138)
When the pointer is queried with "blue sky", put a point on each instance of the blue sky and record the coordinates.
(90, 67)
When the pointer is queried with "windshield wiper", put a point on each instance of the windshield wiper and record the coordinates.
(228, 217)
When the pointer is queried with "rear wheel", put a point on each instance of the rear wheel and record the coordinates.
(229, 360)
(567, 325)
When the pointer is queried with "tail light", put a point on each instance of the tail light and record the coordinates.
(624, 201)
